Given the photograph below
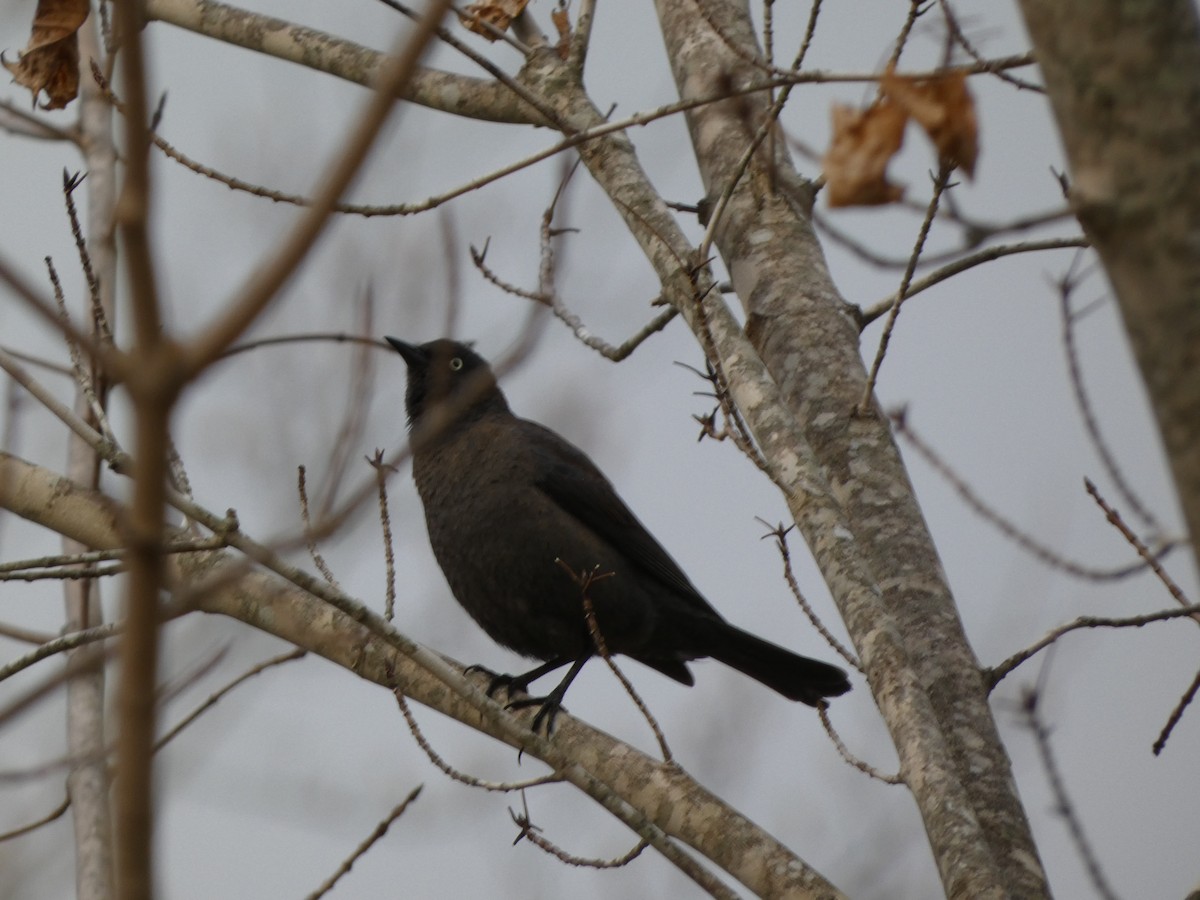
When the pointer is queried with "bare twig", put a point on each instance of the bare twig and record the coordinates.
(1048, 556)
(998, 672)
(26, 701)
(379, 832)
(862, 766)
(1066, 287)
(24, 635)
(446, 37)
(916, 8)
(1176, 715)
(350, 431)
(1065, 808)
(735, 426)
(98, 442)
(335, 337)
(94, 556)
(385, 526)
(1114, 519)
(44, 308)
(969, 262)
(960, 38)
(779, 532)
(313, 553)
(530, 832)
(22, 123)
(585, 579)
(83, 377)
(940, 184)
(216, 697)
(457, 774)
(59, 645)
(585, 335)
(87, 573)
(52, 816)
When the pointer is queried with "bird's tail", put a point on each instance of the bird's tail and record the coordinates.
(796, 677)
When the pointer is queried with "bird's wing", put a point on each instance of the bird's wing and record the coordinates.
(573, 482)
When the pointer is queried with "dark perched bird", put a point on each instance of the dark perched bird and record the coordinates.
(517, 516)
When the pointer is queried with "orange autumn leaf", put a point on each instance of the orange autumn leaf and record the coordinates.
(943, 106)
(497, 13)
(50, 61)
(863, 143)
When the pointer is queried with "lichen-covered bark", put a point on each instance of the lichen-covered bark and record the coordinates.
(922, 670)
(461, 95)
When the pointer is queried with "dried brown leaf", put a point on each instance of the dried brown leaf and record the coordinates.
(943, 106)
(497, 13)
(50, 61)
(563, 25)
(863, 143)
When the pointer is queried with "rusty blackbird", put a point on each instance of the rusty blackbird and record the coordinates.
(518, 517)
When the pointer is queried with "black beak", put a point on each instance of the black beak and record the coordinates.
(414, 356)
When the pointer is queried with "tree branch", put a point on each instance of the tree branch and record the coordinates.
(645, 794)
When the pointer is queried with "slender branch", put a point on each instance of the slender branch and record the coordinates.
(1041, 736)
(22, 123)
(154, 384)
(52, 816)
(1185, 701)
(1066, 287)
(1000, 671)
(1040, 551)
(214, 698)
(379, 832)
(385, 528)
(64, 413)
(452, 93)
(458, 775)
(940, 184)
(445, 36)
(624, 781)
(969, 262)
(1114, 519)
(59, 645)
(865, 767)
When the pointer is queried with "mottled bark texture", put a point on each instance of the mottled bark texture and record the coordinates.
(1124, 81)
(922, 670)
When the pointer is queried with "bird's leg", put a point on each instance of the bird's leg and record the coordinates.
(552, 702)
(518, 683)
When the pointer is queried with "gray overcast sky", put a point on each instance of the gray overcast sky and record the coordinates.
(270, 791)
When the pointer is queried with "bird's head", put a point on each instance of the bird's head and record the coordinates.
(449, 372)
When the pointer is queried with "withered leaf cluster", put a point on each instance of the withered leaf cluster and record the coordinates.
(497, 13)
(50, 61)
(864, 141)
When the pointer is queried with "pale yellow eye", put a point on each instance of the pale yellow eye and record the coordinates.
(456, 364)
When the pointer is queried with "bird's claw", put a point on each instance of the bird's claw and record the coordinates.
(512, 684)
(549, 708)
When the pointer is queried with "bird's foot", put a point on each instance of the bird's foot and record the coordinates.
(550, 705)
(512, 684)
(549, 708)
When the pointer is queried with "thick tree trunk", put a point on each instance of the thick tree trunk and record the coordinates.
(1124, 80)
(923, 673)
